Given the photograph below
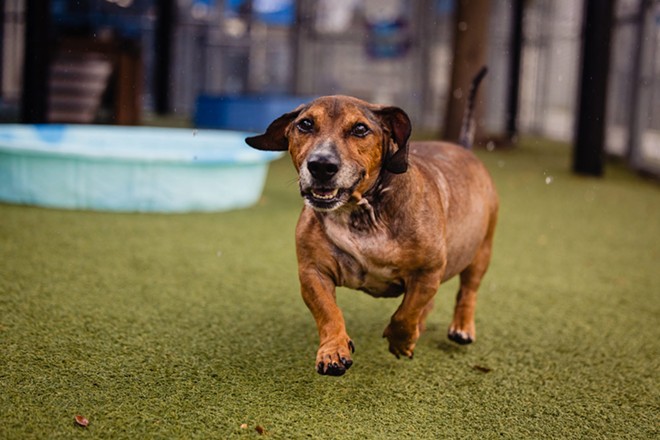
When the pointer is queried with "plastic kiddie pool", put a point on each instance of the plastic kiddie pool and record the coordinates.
(129, 169)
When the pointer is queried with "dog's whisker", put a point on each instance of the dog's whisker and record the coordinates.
(291, 182)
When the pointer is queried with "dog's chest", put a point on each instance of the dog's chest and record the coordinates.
(367, 259)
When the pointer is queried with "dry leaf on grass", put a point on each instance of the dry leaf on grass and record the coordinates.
(260, 430)
(482, 368)
(81, 421)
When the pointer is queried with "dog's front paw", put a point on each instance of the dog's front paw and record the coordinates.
(402, 341)
(334, 357)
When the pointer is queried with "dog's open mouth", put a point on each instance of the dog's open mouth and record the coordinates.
(326, 199)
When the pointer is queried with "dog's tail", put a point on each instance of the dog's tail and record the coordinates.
(466, 139)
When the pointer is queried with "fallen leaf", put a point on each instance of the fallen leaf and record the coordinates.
(482, 369)
(260, 430)
(81, 421)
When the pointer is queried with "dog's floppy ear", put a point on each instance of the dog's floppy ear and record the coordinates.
(274, 138)
(400, 127)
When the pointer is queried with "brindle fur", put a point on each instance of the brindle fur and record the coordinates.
(408, 217)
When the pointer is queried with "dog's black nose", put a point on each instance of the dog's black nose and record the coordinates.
(323, 167)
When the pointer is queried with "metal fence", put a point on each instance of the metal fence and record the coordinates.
(333, 50)
(550, 77)
(633, 129)
(325, 53)
(550, 68)
(644, 132)
(343, 56)
(331, 46)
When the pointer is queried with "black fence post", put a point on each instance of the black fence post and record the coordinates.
(589, 149)
(38, 45)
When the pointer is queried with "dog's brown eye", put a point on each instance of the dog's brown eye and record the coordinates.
(305, 125)
(360, 130)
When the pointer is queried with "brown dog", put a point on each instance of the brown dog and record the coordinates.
(385, 217)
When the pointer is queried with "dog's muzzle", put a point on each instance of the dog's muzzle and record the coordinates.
(324, 182)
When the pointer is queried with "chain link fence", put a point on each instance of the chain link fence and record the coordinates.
(395, 52)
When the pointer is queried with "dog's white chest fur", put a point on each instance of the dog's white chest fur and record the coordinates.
(369, 266)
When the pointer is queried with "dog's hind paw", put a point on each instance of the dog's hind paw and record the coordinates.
(401, 342)
(460, 337)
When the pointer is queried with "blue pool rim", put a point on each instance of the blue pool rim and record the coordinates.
(130, 169)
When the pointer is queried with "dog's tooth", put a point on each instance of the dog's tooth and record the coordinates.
(327, 196)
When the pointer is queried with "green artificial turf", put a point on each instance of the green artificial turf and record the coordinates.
(190, 326)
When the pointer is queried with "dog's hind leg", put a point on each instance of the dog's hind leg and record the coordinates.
(462, 329)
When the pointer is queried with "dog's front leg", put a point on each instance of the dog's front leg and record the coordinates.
(404, 328)
(334, 355)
